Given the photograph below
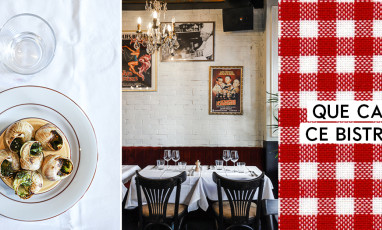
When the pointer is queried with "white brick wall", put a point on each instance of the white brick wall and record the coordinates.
(177, 114)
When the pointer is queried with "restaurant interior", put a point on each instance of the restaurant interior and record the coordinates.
(199, 114)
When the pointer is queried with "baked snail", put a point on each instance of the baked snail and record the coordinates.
(56, 167)
(31, 155)
(9, 163)
(17, 134)
(50, 137)
(27, 183)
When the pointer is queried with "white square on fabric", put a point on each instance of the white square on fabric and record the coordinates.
(307, 97)
(308, 170)
(345, 170)
(308, 28)
(344, 95)
(345, 64)
(308, 64)
(308, 206)
(344, 206)
(377, 64)
(377, 95)
(345, 28)
(377, 205)
(345, 0)
(377, 28)
(377, 170)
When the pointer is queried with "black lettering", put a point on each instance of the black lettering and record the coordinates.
(340, 134)
(355, 131)
(343, 111)
(321, 114)
(359, 111)
(307, 134)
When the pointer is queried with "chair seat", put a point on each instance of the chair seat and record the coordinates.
(169, 212)
(227, 209)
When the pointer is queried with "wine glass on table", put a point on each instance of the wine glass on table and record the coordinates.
(234, 157)
(167, 156)
(175, 156)
(226, 156)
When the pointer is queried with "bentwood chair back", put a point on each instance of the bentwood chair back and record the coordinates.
(157, 211)
(240, 211)
(270, 208)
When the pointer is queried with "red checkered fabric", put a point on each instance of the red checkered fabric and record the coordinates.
(328, 50)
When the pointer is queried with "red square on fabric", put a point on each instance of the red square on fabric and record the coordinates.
(289, 117)
(289, 46)
(363, 82)
(326, 188)
(363, 153)
(326, 82)
(326, 222)
(363, 188)
(289, 81)
(289, 188)
(326, 152)
(327, 10)
(290, 11)
(363, 10)
(363, 46)
(327, 46)
(290, 222)
(291, 153)
(363, 222)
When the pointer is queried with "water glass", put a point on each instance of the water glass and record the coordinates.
(226, 156)
(234, 156)
(219, 164)
(175, 156)
(241, 167)
(182, 165)
(167, 156)
(160, 164)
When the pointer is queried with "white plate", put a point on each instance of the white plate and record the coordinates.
(39, 102)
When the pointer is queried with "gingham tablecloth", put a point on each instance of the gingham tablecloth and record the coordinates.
(328, 50)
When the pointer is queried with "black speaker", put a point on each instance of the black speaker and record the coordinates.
(235, 19)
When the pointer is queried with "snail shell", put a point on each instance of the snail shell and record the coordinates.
(9, 163)
(27, 183)
(50, 137)
(56, 167)
(17, 134)
(31, 155)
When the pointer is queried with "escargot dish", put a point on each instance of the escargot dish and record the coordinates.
(17, 134)
(9, 163)
(31, 155)
(56, 167)
(27, 183)
(50, 137)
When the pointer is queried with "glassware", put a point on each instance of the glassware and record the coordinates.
(160, 164)
(219, 164)
(167, 156)
(226, 156)
(182, 165)
(234, 156)
(241, 167)
(175, 156)
(27, 44)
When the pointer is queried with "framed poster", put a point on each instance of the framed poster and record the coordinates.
(196, 42)
(139, 69)
(226, 90)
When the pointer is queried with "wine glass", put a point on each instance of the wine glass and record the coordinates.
(226, 156)
(175, 156)
(234, 157)
(167, 156)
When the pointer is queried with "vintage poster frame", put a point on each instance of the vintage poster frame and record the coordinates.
(190, 60)
(154, 72)
(211, 85)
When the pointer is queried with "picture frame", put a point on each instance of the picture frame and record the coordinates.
(196, 42)
(226, 90)
(139, 69)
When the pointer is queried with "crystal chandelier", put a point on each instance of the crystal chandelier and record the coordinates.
(157, 36)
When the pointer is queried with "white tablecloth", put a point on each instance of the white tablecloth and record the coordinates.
(128, 171)
(197, 187)
(86, 68)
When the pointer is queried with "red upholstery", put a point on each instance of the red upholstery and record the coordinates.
(144, 156)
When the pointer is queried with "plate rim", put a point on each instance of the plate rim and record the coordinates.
(96, 140)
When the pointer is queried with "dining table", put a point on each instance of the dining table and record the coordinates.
(199, 187)
(87, 59)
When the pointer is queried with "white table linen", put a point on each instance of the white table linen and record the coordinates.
(128, 171)
(86, 68)
(197, 188)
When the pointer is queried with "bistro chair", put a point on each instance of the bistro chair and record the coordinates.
(270, 211)
(158, 212)
(239, 212)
